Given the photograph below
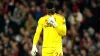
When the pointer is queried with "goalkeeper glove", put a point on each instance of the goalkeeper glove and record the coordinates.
(34, 50)
(52, 21)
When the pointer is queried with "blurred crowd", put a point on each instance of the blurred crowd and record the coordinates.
(18, 22)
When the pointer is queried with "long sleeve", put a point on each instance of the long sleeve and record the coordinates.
(61, 28)
(37, 33)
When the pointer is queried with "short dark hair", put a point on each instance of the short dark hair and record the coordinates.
(50, 5)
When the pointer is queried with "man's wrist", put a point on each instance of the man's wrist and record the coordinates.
(34, 45)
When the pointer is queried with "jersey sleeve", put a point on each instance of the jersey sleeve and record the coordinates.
(61, 28)
(38, 32)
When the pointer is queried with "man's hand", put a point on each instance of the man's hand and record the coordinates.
(34, 50)
(51, 21)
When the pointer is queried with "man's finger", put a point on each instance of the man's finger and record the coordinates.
(36, 50)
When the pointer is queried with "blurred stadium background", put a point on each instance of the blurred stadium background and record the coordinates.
(18, 21)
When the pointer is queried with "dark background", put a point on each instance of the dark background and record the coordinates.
(18, 21)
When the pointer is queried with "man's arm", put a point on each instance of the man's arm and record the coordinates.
(36, 38)
(37, 33)
(61, 28)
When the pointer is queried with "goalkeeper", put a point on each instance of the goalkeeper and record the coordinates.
(54, 29)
